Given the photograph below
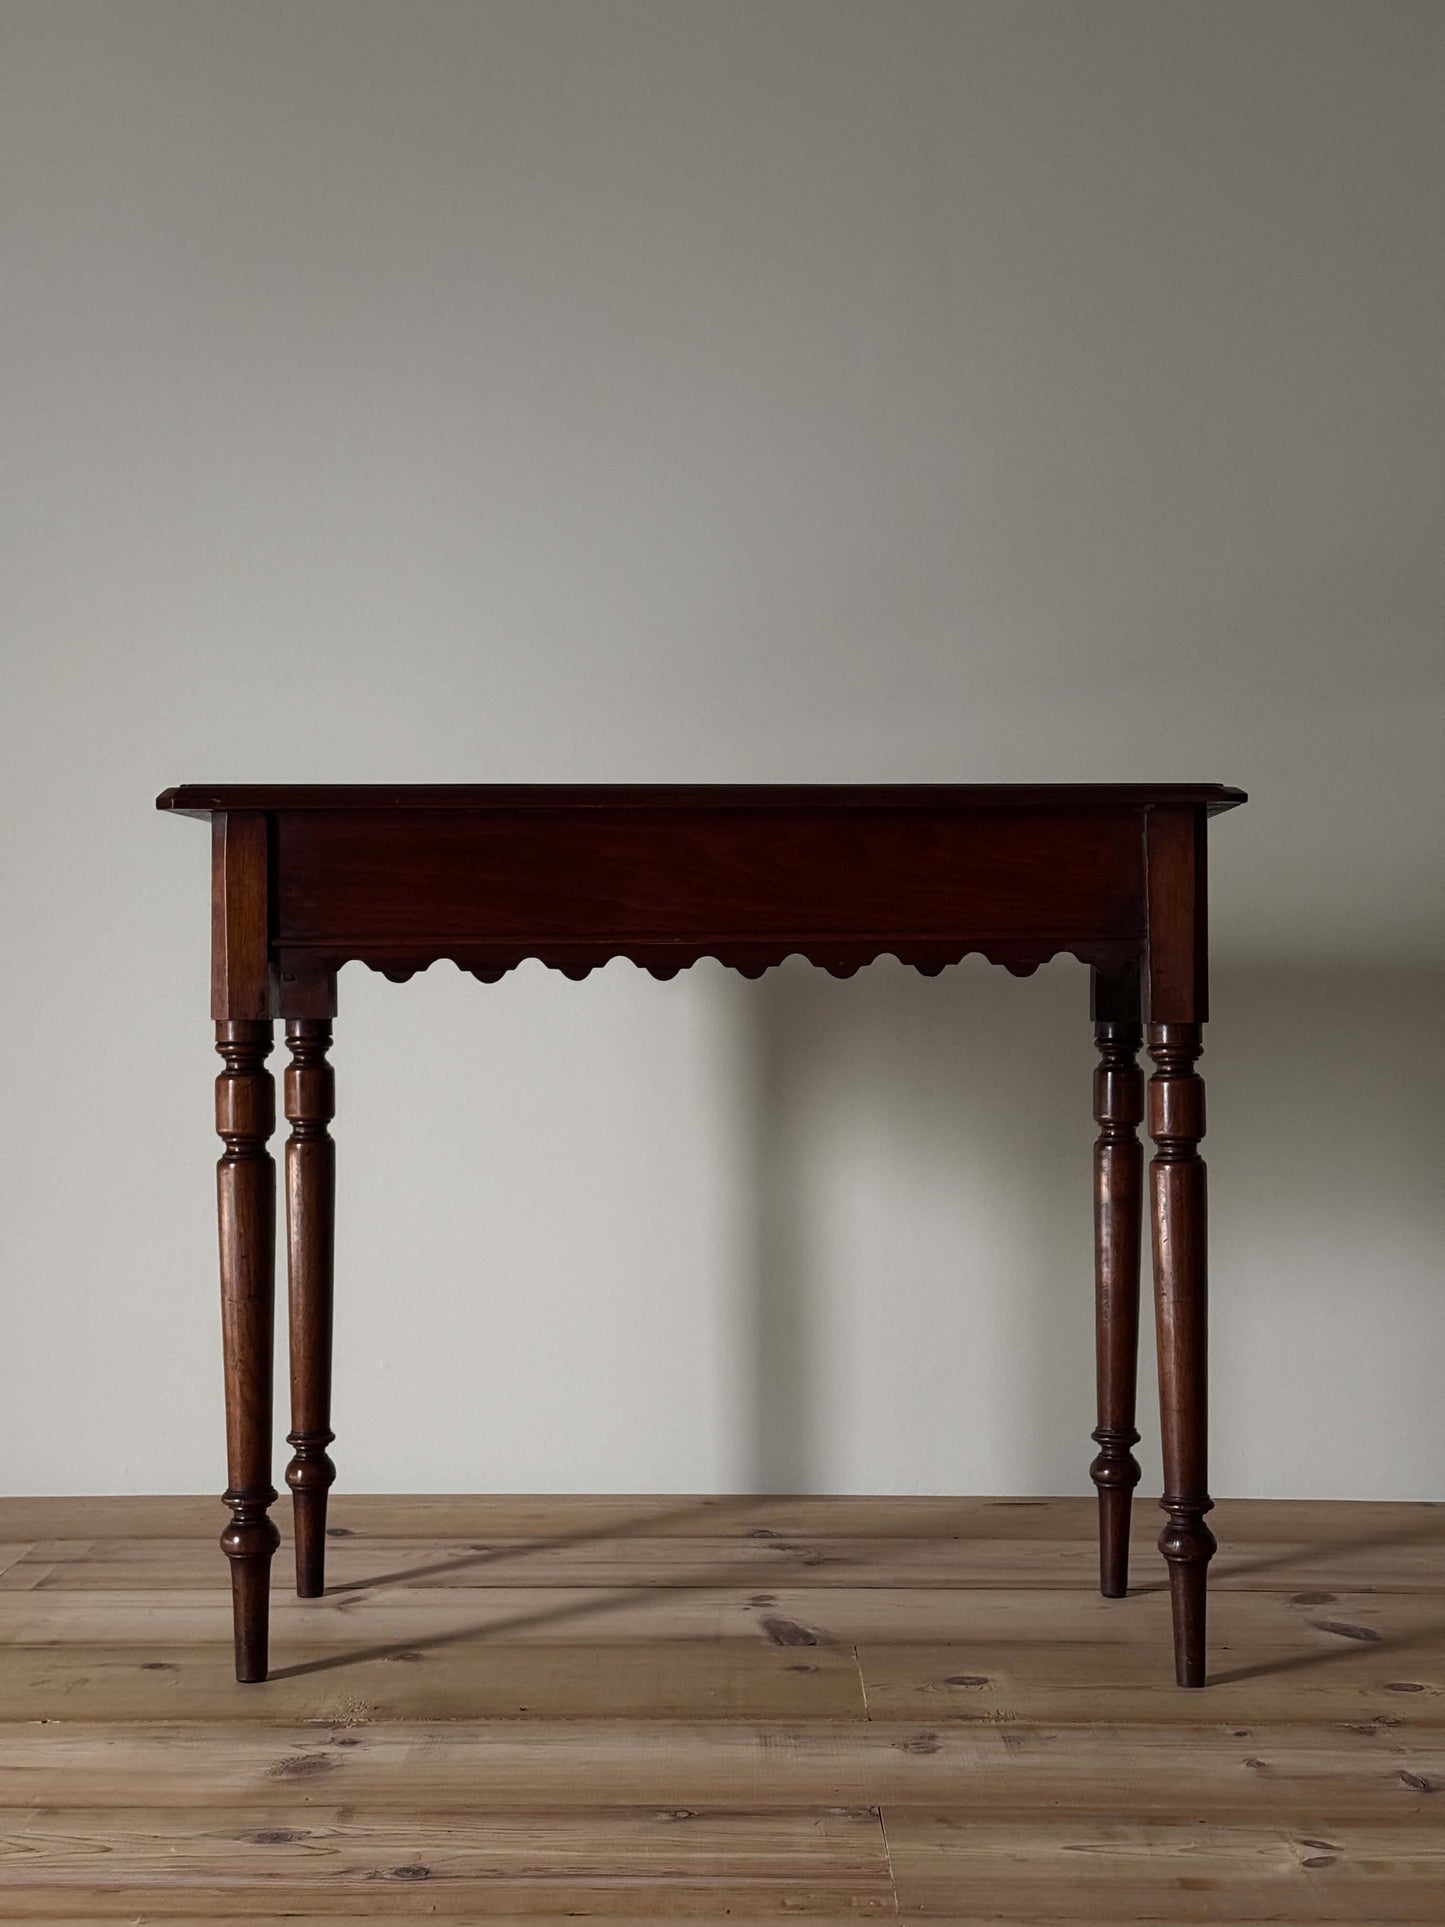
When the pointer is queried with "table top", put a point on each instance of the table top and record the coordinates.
(206, 799)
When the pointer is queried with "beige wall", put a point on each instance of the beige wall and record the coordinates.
(709, 389)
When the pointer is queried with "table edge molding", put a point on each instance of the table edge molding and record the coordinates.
(202, 799)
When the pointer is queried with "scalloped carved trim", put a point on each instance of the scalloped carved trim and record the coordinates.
(664, 961)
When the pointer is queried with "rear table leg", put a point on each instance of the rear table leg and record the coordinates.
(310, 1244)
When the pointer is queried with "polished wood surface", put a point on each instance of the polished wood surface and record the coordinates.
(204, 799)
(669, 1709)
(678, 881)
(307, 878)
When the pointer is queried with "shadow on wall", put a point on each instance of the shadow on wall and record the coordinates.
(922, 1241)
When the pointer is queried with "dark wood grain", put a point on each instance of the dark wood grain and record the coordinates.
(1118, 1205)
(242, 967)
(1176, 1124)
(369, 882)
(310, 1100)
(1176, 965)
(309, 877)
(1177, 997)
(246, 1202)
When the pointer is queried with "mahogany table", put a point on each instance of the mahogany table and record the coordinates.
(306, 877)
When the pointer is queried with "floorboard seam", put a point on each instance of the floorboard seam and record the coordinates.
(862, 1683)
(888, 1860)
(882, 1824)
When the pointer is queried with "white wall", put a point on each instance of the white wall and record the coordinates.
(520, 390)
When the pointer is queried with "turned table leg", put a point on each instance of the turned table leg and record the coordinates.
(310, 1220)
(1176, 1124)
(1118, 1202)
(246, 1200)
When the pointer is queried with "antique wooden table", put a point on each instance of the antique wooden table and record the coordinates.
(306, 877)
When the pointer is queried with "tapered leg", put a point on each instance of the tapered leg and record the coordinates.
(1176, 1124)
(1118, 1205)
(310, 1236)
(246, 1199)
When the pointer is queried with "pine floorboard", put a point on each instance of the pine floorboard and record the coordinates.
(540, 1709)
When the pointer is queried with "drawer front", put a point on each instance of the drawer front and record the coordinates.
(398, 884)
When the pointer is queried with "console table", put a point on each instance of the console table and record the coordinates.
(307, 877)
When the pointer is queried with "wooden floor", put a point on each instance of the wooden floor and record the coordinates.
(651, 1709)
